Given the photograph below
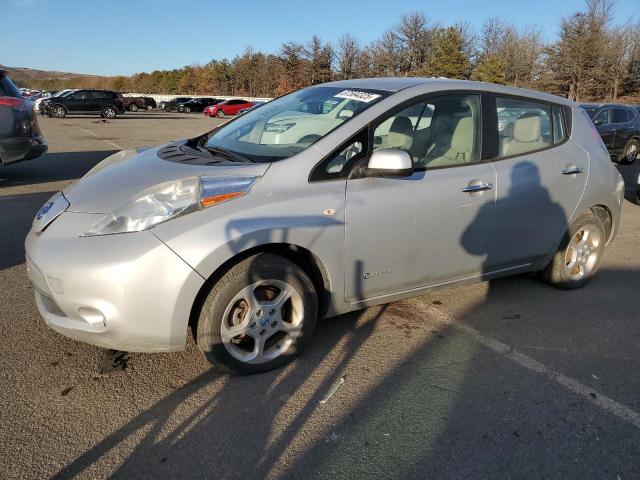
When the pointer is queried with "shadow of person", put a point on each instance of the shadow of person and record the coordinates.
(526, 229)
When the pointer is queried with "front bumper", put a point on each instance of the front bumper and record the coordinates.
(125, 292)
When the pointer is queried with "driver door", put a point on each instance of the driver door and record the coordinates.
(433, 226)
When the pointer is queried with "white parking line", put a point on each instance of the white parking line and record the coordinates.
(606, 403)
(98, 137)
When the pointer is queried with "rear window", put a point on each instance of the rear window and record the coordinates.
(7, 87)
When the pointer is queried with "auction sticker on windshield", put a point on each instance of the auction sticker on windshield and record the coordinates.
(358, 95)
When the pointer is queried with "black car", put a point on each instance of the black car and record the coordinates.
(103, 102)
(20, 136)
(197, 104)
(619, 128)
(149, 103)
(170, 105)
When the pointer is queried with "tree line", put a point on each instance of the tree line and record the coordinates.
(592, 58)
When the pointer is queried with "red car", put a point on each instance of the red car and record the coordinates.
(228, 107)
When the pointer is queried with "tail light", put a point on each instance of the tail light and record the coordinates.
(12, 102)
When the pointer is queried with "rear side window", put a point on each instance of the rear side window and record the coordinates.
(97, 94)
(523, 126)
(559, 125)
(620, 115)
(7, 88)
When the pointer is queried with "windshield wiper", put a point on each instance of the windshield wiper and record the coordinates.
(230, 154)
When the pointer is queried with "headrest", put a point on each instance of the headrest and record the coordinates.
(401, 125)
(527, 129)
(462, 138)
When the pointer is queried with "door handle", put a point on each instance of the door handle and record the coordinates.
(480, 187)
(572, 170)
(612, 130)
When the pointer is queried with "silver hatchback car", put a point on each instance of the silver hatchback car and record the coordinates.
(326, 200)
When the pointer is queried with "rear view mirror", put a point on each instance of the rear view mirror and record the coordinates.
(389, 162)
(344, 113)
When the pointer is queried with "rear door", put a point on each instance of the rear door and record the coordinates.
(540, 180)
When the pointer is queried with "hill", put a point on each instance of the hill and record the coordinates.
(51, 80)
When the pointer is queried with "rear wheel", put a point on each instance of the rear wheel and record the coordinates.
(133, 107)
(220, 113)
(149, 107)
(580, 254)
(630, 153)
(258, 316)
(109, 112)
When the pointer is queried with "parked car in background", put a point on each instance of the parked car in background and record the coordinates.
(106, 103)
(197, 104)
(149, 103)
(228, 107)
(619, 128)
(255, 105)
(242, 235)
(61, 93)
(133, 104)
(170, 105)
(20, 135)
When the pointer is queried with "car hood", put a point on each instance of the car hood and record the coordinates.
(120, 178)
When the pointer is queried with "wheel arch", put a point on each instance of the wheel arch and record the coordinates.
(606, 217)
(302, 257)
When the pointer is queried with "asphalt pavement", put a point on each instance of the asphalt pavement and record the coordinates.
(507, 379)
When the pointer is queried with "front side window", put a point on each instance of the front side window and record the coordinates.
(602, 118)
(526, 126)
(290, 124)
(440, 132)
(81, 95)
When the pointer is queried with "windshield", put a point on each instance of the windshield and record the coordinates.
(288, 125)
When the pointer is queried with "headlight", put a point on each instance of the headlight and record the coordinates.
(278, 127)
(169, 200)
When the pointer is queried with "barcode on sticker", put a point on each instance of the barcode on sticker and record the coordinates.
(357, 95)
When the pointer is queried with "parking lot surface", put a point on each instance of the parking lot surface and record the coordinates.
(503, 379)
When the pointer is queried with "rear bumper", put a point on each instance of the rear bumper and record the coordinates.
(17, 149)
(125, 292)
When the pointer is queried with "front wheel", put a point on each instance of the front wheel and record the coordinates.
(187, 109)
(579, 256)
(59, 111)
(133, 107)
(220, 113)
(109, 112)
(630, 153)
(258, 316)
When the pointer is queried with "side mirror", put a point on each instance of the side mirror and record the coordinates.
(389, 162)
(598, 121)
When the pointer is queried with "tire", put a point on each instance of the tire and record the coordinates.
(187, 109)
(630, 152)
(149, 107)
(133, 107)
(109, 112)
(220, 113)
(269, 277)
(58, 111)
(585, 254)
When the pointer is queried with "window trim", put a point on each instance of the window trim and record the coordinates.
(347, 173)
(491, 97)
(319, 173)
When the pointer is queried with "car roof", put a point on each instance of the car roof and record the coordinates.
(395, 84)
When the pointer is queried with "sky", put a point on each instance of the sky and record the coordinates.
(122, 37)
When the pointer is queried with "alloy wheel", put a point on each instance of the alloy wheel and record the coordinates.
(583, 251)
(262, 321)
